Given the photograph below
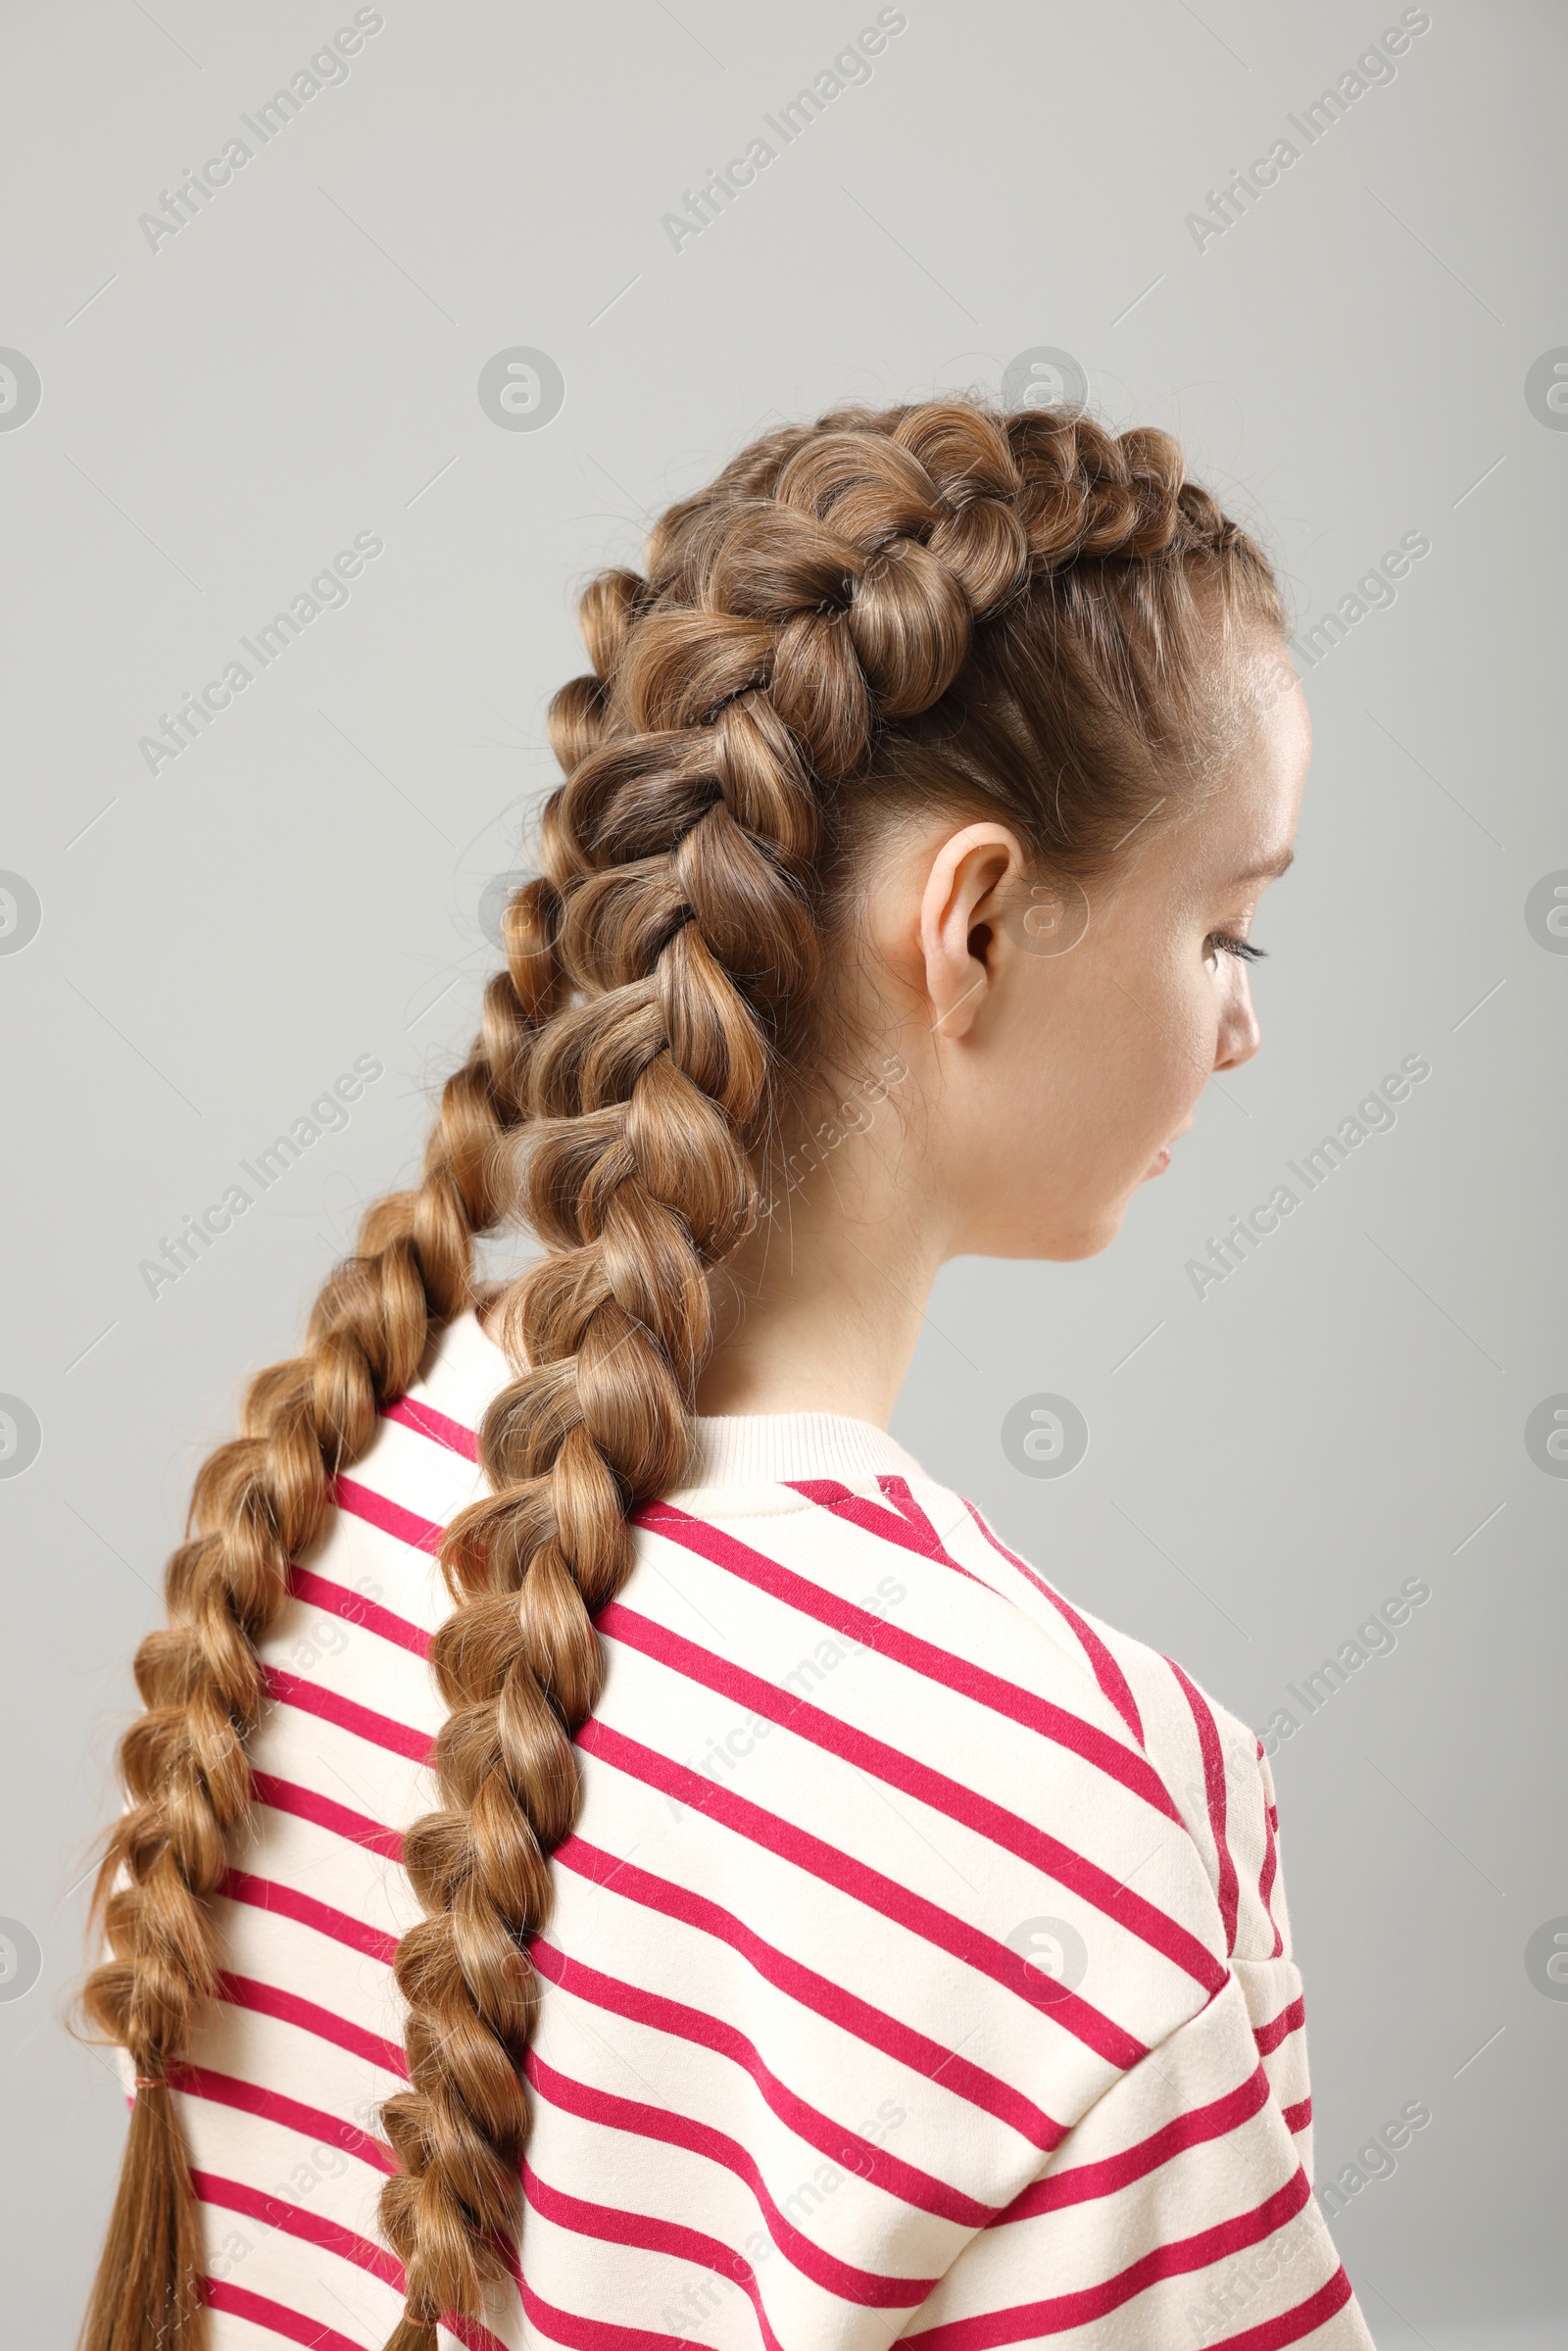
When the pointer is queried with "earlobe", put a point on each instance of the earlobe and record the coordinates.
(958, 1018)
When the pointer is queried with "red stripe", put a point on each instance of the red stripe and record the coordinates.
(1086, 2182)
(604, 2225)
(362, 1502)
(1108, 1673)
(1179, 2259)
(311, 2229)
(221, 2293)
(283, 1902)
(279, 2319)
(1273, 2334)
(901, 1494)
(877, 1518)
(1290, 2020)
(329, 1706)
(862, 1884)
(453, 1434)
(1297, 2117)
(283, 1795)
(271, 2106)
(270, 1999)
(924, 1657)
(355, 1609)
(1215, 1795)
(330, 2237)
(844, 2147)
(951, 1798)
(595, 2334)
(831, 2002)
(897, 1490)
(1270, 1868)
(608, 2111)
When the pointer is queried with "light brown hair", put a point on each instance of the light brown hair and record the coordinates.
(938, 605)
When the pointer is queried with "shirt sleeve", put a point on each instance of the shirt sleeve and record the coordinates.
(1176, 2213)
(1178, 2210)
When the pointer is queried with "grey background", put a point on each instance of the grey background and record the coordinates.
(220, 940)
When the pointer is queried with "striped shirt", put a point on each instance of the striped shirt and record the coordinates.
(918, 1969)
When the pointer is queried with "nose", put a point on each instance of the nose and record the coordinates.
(1239, 1035)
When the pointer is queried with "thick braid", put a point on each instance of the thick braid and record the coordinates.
(637, 1181)
(259, 1503)
(830, 585)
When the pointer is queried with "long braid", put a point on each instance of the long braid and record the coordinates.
(259, 1502)
(779, 619)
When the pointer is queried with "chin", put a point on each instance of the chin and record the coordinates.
(1093, 1238)
(1065, 1241)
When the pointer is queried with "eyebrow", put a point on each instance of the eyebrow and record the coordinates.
(1269, 872)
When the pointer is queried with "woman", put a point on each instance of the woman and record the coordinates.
(810, 1930)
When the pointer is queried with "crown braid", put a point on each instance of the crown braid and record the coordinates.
(798, 623)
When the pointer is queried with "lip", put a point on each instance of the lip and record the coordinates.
(1161, 1161)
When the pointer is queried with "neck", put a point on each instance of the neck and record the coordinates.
(820, 1311)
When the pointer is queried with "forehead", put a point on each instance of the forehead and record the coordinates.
(1240, 823)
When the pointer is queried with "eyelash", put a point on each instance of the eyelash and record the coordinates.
(1236, 947)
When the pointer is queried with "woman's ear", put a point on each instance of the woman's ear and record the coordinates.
(958, 922)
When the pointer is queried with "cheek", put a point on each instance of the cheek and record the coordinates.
(1103, 1065)
(1161, 1054)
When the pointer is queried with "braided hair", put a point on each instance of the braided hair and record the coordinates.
(931, 606)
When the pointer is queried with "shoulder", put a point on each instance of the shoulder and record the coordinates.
(838, 1713)
(1212, 1763)
(910, 1704)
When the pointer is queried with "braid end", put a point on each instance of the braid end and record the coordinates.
(147, 2293)
(411, 2334)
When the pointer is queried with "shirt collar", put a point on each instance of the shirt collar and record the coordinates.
(742, 1448)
